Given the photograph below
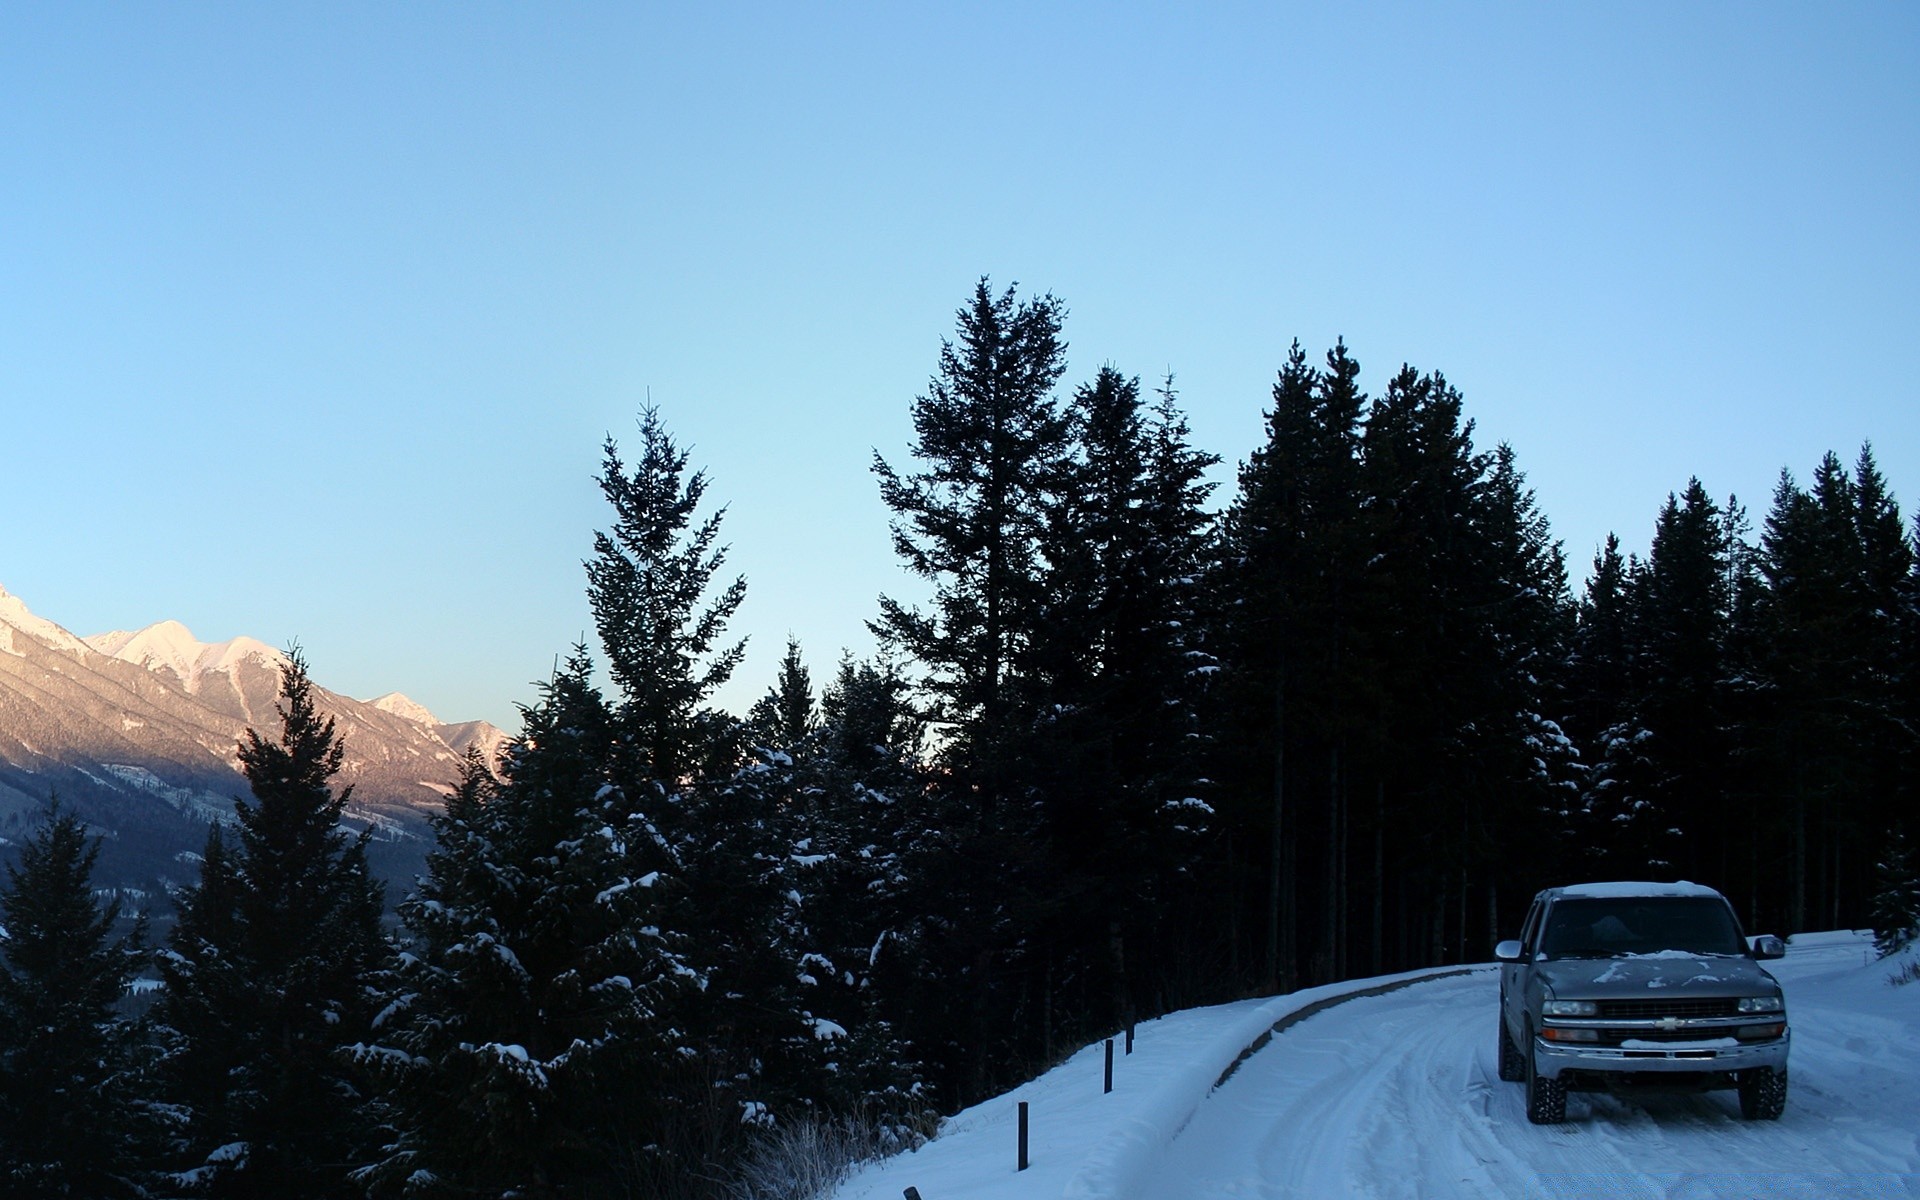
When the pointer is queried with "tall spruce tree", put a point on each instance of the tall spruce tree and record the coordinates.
(1264, 563)
(268, 972)
(1835, 562)
(648, 582)
(1661, 773)
(692, 780)
(528, 1038)
(75, 1121)
(1111, 697)
(992, 445)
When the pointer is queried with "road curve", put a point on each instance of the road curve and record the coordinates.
(1396, 1096)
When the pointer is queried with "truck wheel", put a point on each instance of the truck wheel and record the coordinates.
(1513, 1068)
(1763, 1094)
(1546, 1098)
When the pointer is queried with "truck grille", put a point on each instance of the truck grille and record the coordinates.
(1653, 1010)
(1613, 1037)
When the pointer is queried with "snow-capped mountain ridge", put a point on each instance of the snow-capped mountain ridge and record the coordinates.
(137, 732)
(15, 615)
(169, 645)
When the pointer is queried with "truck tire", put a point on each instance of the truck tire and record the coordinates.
(1546, 1098)
(1763, 1094)
(1513, 1068)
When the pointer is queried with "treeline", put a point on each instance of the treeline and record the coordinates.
(1142, 748)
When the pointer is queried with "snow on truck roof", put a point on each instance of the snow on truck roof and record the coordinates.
(1605, 890)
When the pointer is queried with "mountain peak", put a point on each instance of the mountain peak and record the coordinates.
(172, 646)
(401, 706)
(14, 612)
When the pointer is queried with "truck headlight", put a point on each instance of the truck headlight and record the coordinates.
(1759, 1004)
(1570, 1008)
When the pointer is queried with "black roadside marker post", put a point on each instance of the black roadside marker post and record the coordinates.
(1109, 1086)
(1129, 1037)
(913, 1193)
(1023, 1135)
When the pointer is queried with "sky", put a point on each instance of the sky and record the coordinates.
(313, 318)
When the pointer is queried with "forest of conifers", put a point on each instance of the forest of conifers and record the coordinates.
(1143, 747)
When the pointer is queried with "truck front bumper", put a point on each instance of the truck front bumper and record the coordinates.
(1554, 1059)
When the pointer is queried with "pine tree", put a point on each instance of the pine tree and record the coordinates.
(992, 442)
(528, 1037)
(1662, 766)
(784, 716)
(1896, 897)
(648, 582)
(268, 972)
(869, 912)
(74, 1119)
(1260, 588)
(1835, 563)
(1110, 699)
(992, 446)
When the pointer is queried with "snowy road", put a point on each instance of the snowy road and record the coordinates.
(1397, 1096)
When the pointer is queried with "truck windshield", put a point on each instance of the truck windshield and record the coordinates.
(1608, 927)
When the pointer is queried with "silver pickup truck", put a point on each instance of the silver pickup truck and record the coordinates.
(1620, 986)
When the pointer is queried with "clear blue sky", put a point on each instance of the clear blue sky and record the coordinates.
(312, 317)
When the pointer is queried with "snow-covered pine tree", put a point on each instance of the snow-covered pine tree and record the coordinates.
(1456, 624)
(868, 915)
(693, 781)
(1896, 896)
(268, 973)
(529, 1037)
(74, 1117)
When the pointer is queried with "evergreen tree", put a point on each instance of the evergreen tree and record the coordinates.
(1662, 766)
(992, 446)
(869, 908)
(784, 717)
(529, 1036)
(1262, 587)
(648, 582)
(993, 443)
(692, 781)
(74, 1117)
(268, 973)
(1896, 897)
(587, 1012)
(1836, 564)
(1110, 701)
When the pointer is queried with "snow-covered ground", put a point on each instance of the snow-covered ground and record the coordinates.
(1395, 1095)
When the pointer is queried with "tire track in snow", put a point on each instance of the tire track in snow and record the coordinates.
(1397, 1096)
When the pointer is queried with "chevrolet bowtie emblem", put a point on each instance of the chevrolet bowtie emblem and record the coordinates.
(1670, 1024)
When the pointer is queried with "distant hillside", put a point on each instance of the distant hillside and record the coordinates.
(136, 731)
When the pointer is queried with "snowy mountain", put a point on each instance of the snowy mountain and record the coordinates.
(1390, 1088)
(137, 731)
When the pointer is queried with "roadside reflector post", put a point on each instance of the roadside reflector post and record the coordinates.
(1129, 1037)
(1109, 1086)
(913, 1193)
(1023, 1135)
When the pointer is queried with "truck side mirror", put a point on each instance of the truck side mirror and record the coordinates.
(1767, 946)
(1507, 951)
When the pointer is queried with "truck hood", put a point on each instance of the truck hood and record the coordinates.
(1670, 973)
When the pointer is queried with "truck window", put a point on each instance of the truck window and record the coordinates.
(1608, 927)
